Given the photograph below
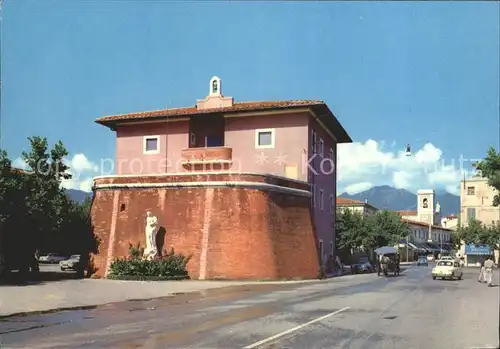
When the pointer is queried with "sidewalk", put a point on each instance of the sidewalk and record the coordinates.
(62, 295)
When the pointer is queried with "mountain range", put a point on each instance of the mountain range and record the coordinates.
(78, 195)
(386, 197)
(382, 197)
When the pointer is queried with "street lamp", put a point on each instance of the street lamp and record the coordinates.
(408, 150)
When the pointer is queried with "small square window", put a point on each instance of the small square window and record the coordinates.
(470, 191)
(264, 138)
(151, 144)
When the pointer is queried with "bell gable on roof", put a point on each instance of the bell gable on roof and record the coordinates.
(215, 98)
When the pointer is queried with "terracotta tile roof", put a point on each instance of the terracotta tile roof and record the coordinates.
(406, 213)
(350, 202)
(346, 201)
(319, 107)
(426, 225)
(184, 111)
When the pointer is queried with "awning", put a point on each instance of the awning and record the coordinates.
(429, 246)
(413, 245)
(478, 250)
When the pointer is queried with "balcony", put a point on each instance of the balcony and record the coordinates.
(207, 159)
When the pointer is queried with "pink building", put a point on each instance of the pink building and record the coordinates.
(294, 139)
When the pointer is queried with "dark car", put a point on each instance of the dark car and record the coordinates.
(362, 266)
(422, 261)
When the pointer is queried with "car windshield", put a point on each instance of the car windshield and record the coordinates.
(445, 264)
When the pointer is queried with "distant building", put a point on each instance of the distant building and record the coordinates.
(362, 207)
(422, 237)
(428, 235)
(247, 188)
(451, 222)
(476, 201)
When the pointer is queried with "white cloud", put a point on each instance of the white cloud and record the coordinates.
(80, 163)
(363, 165)
(402, 179)
(81, 169)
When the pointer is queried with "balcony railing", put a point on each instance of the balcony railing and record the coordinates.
(209, 158)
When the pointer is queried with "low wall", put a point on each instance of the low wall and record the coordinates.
(235, 226)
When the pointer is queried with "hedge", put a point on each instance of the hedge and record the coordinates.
(169, 266)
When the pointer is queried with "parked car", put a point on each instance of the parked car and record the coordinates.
(422, 261)
(362, 266)
(71, 263)
(51, 258)
(447, 270)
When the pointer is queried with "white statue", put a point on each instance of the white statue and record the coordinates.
(151, 229)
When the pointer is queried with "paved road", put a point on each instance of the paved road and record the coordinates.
(354, 312)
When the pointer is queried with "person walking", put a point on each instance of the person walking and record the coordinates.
(481, 277)
(488, 270)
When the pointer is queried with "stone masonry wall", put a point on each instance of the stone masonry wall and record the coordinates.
(231, 232)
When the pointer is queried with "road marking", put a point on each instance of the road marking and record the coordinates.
(296, 328)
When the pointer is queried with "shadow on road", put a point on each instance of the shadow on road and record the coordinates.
(47, 273)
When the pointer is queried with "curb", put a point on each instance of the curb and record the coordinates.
(51, 311)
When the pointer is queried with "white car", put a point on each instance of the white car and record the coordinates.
(52, 258)
(446, 269)
(447, 258)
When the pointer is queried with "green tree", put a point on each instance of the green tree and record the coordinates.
(15, 231)
(48, 202)
(385, 229)
(493, 236)
(490, 169)
(475, 232)
(351, 232)
(36, 213)
(456, 242)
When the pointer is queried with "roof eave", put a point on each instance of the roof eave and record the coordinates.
(320, 108)
(124, 120)
(335, 126)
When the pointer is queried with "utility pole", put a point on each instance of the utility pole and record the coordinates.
(407, 248)
(1, 85)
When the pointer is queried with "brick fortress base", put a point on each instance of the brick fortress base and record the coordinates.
(235, 226)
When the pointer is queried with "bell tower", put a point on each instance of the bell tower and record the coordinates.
(426, 208)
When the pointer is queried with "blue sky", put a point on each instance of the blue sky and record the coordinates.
(395, 73)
